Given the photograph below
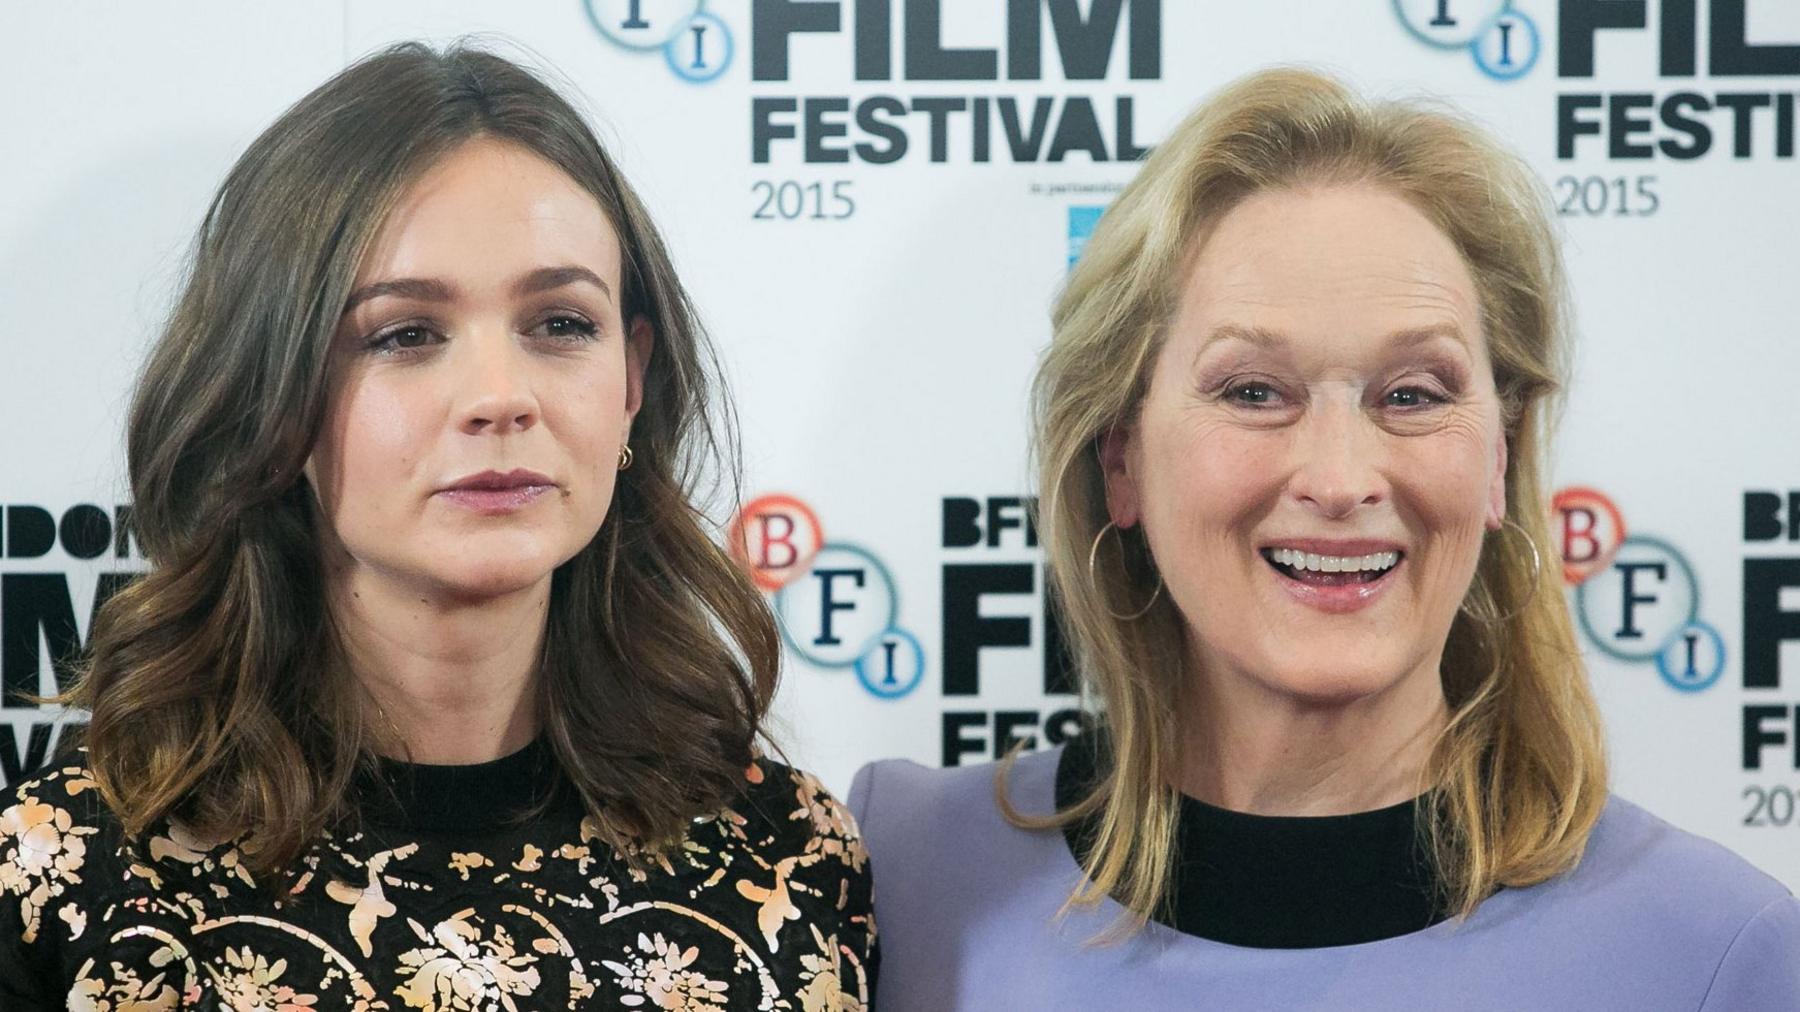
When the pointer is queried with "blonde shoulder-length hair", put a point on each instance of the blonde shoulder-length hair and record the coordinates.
(1519, 774)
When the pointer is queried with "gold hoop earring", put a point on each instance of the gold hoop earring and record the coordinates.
(1537, 577)
(625, 457)
(1094, 577)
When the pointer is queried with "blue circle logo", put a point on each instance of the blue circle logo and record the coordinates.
(894, 666)
(1694, 659)
(1508, 46)
(702, 50)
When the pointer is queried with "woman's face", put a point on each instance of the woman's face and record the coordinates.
(1320, 448)
(483, 381)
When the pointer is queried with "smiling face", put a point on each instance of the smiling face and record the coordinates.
(483, 381)
(1320, 448)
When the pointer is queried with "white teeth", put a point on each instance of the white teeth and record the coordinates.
(1334, 563)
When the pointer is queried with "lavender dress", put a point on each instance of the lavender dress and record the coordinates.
(1653, 918)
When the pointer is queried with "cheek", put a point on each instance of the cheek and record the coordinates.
(1446, 477)
(1208, 470)
(1206, 479)
(585, 410)
(377, 430)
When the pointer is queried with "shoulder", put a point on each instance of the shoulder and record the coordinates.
(1633, 851)
(54, 809)
(54, 831)
(1680, 907)
(809, 863)
(911, 814)
(792, 812)
(62, 845)
(957, 883)
(1675, 897)
(891, 788)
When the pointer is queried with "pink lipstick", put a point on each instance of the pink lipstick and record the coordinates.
(495, 493)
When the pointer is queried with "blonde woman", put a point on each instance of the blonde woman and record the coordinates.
(1292, 430)
(439, 694)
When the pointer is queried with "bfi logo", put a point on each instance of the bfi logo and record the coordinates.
(837, 604)
(1637, 597)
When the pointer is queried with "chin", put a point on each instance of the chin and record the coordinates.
(1332, 685)
(477, 576)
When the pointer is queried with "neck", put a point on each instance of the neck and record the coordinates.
(1249, 749)
(449, 680)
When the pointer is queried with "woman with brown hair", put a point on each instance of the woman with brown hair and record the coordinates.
(1292, 435)
(438, 693)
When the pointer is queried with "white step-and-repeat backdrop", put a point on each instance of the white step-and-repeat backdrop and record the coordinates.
(874, 200)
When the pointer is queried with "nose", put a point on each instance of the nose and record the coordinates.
(1338, 460)
(494, 386)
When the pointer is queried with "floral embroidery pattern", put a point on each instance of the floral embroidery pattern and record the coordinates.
(44, 851)
(124, 992)
(465, 971)
(657, 974)
(251, 982)
(761, 905)
(369, 904)
(822, 977)
(203, 856)
(774, 905)
(834, 830)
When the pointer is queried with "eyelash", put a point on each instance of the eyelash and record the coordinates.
(383, 343)
(1235, 389)
(1428, 398)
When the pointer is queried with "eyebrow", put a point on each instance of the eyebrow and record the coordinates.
(433, 290)
(1263, 337)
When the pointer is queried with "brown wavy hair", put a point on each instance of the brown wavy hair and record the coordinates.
(1519, 773)
(218, 692)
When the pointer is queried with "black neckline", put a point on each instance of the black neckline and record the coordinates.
(472, 798)
(1273, 882)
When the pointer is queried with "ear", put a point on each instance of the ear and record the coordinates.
(1496, 512)
(640, 344)
(1116, 447)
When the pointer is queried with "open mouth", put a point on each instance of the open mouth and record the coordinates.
(1331, 570)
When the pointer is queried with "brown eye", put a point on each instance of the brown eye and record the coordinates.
(568, 328)
(405, 338)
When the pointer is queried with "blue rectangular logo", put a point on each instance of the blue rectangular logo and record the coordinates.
(1082, 220)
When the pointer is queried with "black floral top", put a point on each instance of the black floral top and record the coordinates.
(442, 901)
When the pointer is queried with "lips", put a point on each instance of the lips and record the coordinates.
(1334, 576)
(494, 492)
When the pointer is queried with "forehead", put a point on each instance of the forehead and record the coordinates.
(484, 212)
(1341, 262)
